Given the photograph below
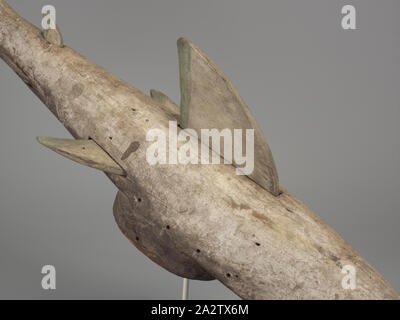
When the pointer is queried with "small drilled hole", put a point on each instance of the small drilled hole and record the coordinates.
(137, 238)
(228, 275)
(168, 227)
(133, 109)
(139, 199)
(258, 244)
(198, 250)
(110, 138)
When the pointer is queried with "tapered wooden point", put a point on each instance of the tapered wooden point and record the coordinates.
(85, 152)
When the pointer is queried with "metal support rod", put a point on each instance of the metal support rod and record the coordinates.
(185, 289)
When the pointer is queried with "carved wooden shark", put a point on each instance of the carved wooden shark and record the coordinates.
(197, 221)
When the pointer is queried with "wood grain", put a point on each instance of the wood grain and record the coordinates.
(85, 152)
(259, 245)
(210, 101)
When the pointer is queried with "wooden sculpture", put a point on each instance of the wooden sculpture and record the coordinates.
(197, 221)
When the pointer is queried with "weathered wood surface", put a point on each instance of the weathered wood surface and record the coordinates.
(85, 152)
(209, 100)
(259, 245)
(53, 36)
(164, 100)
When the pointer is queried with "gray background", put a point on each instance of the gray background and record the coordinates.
(327, 100)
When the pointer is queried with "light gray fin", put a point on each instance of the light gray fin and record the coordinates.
(85, 152)
(53, 36)
(209, 100)
(163, 99)
(171, 109)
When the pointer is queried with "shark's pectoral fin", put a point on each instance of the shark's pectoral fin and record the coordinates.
(210, 101)
(85, 152)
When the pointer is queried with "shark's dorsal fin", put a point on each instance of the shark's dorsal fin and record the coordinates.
(85, 152)
(209, 100)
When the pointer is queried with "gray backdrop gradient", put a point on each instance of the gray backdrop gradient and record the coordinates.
(328, 101)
